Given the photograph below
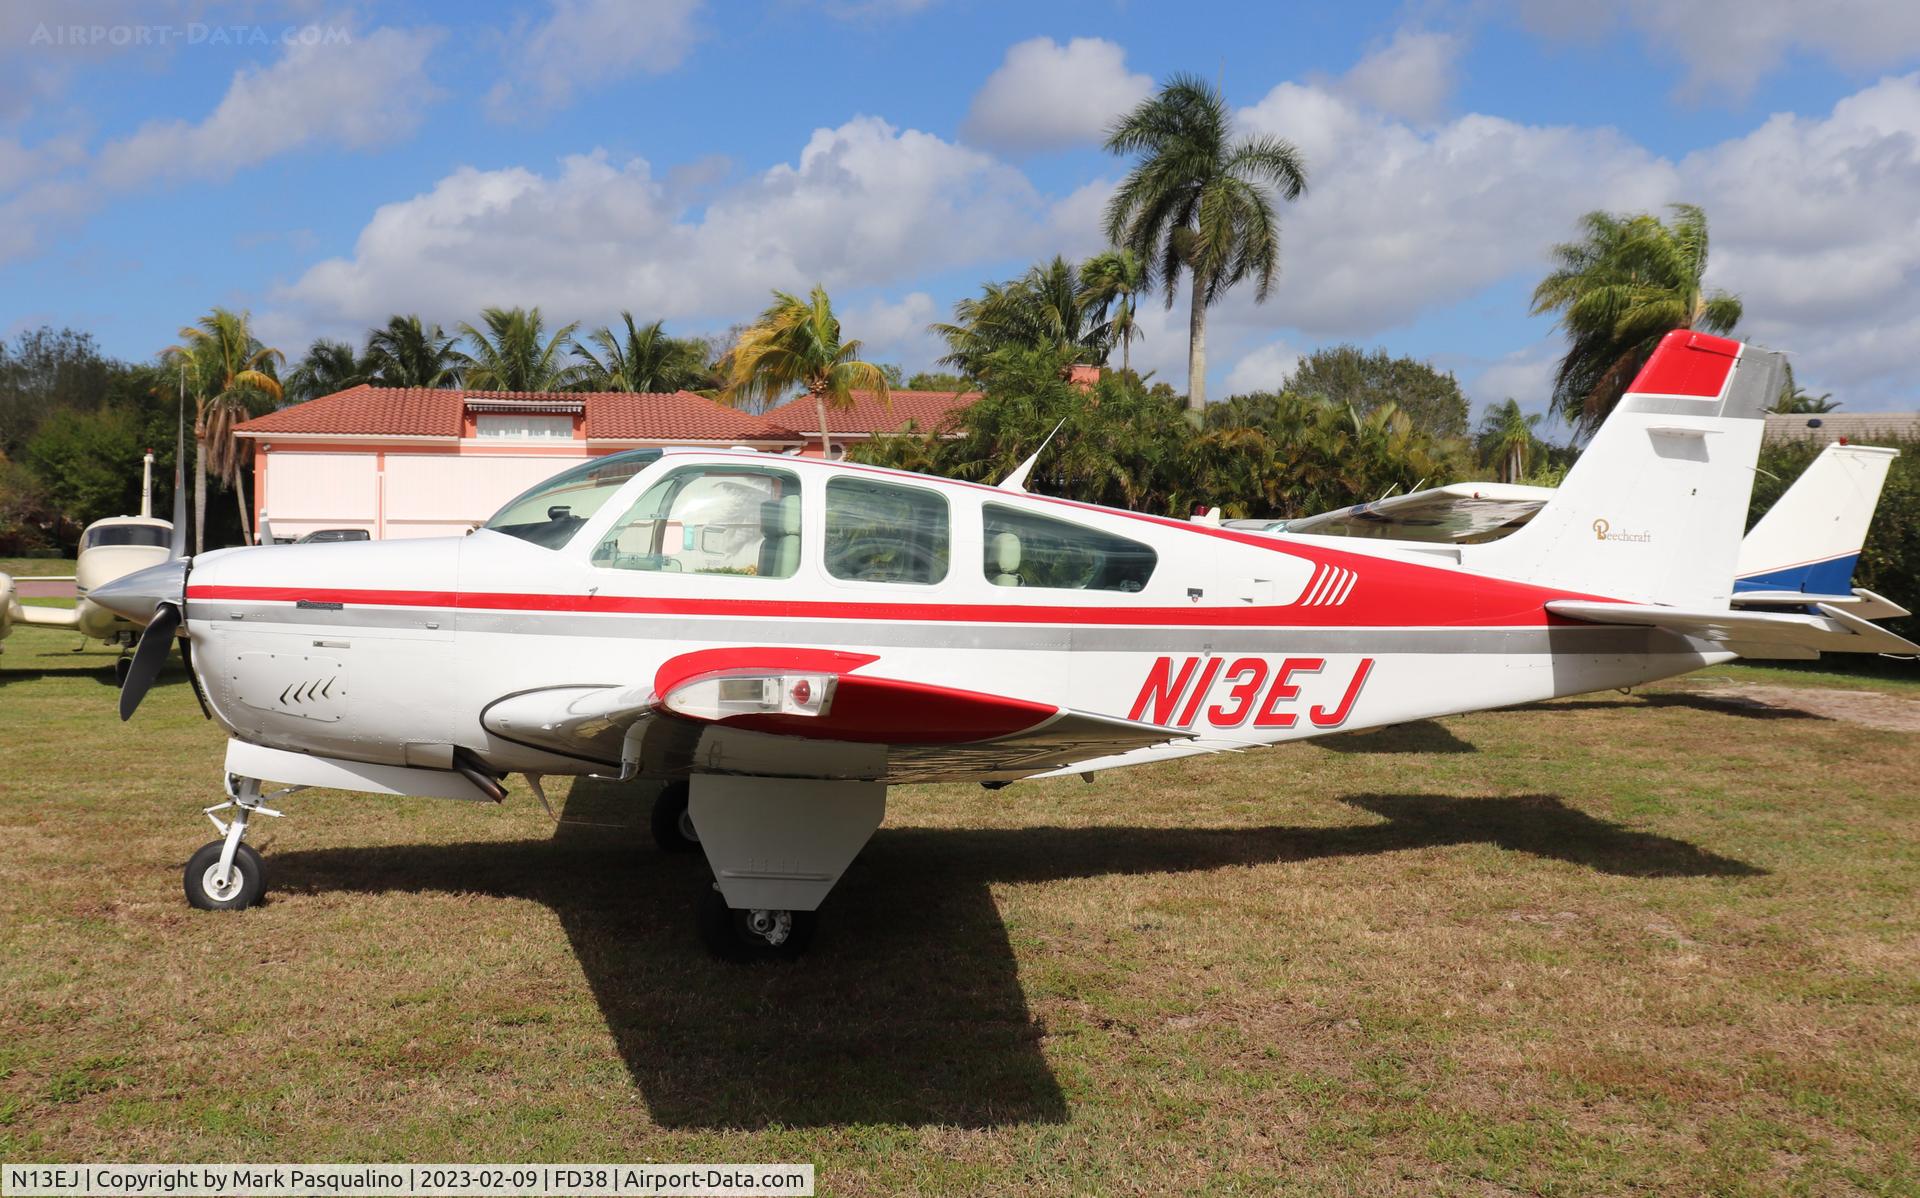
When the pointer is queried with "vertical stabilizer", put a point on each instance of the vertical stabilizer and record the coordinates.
(1653, 510)
(1810, 540)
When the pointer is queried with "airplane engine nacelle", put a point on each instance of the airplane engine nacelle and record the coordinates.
(7, 605)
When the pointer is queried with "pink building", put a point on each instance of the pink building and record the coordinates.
(413, 462)
(927, 411)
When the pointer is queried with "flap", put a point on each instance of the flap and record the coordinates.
(1831, 631)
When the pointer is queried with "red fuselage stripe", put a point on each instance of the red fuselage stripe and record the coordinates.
(1461, 608)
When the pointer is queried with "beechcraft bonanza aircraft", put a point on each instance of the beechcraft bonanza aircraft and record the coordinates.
(781, 640)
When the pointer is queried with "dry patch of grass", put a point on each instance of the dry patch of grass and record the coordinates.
(1619, 944)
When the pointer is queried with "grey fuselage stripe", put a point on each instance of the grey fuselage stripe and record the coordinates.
(1582, 639)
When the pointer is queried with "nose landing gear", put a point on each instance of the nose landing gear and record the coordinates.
(228, 874)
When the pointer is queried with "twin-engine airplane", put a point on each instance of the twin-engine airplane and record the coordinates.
(109, 549)
(780, 640)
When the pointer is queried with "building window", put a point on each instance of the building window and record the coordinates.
(879, 532)
(1025, 550)
(522, 426)
(741, 520)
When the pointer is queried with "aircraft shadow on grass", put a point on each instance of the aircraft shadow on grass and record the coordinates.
(909, 1008)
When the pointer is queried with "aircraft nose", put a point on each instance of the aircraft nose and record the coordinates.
(139, 594)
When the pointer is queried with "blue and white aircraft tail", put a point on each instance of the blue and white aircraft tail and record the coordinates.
(1804, 550)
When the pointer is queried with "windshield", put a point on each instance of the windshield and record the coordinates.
(149, 535)
(549, 514)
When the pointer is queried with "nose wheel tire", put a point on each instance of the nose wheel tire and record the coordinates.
(757, 935)
(245, 885)
(672, 824)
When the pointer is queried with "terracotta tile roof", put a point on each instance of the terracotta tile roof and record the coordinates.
(423, 412)
(927, 411)
(1859, 428)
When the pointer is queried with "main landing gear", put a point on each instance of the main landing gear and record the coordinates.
(228, 874)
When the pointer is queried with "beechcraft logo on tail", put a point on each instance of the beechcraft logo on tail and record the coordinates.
(1249, 689)
(1604, 531)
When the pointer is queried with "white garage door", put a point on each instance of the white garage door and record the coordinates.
(309, 491)
(432, 495)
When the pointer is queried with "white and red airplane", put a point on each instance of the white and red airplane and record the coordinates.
(780, 640)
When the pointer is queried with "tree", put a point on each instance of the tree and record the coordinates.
(1046, 309)
(1506, 440)
(1197, 203)
(329, 366)
(229, 374)
(514, 353)
(797, 343)
(1113, 280)
(43, 371)
(1627, 282)
(408, 353)
(937, 380)
(86, 462)
(1368, 381)
(644, 359)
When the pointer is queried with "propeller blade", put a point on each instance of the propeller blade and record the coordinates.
(148, 657)
(177, 547)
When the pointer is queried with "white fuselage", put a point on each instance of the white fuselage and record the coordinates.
(392, 652)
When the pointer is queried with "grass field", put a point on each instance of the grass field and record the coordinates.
(35, 567)
(1664, 943)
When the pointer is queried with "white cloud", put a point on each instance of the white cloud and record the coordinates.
(1265, 369)
(1814, 227)
(863, 205)
(1728, 46)
(1525, 374)
(896, 330)
(585, 42)
(1047, 96)
(369, 91)
(1412, 76)
(1397, 220)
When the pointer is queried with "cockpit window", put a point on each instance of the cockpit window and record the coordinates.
(549, 514)
(732, 519)
(147, 536)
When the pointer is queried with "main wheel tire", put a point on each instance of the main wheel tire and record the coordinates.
(730, 935)
(673, 828)
(246, 884)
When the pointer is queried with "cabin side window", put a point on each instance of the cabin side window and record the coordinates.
(738, 520)
(883, 532)
(1025, 550)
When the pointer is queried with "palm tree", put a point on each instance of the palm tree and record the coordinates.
(1506, 439)
(329, 366)
(229, 371)
(1198, 202)
(1797, 400)
(796, 343)
(513, 353)
(1112, 281)
(1048, 308)
(407, 353)
(644, 359)
(1628, 282)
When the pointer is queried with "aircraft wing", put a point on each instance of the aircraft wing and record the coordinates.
(1458, 513)
(1759, 634)
(808, 713)
(12, 611)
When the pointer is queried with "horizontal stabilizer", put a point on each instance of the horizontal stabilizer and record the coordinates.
(1860, 602)
(1831, 631)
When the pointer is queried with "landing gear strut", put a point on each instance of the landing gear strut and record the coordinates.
(228, 874)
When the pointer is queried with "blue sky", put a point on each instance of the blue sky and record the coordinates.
(323, 166)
